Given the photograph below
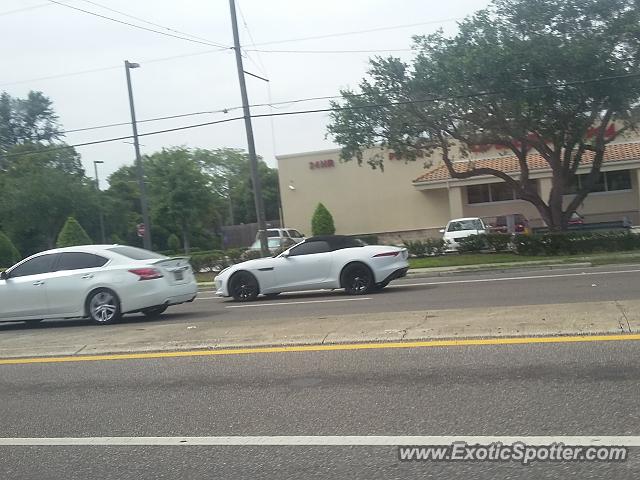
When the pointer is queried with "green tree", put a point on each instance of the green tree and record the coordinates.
(181, 196)
(8, 252)
(72, 234)
(536, 76)
(28, 120)
(322, 221)
(173, 242)
(230, 173)
(40, 189)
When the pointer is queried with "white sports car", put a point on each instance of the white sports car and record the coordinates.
(101, 282)
(322, 262)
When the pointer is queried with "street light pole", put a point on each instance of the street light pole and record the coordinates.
(253, 159)
(100, 213)
(140, 169)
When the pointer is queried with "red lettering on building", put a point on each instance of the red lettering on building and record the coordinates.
(322, 164)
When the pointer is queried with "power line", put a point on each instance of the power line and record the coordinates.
(224, 48)
(335, 109)
(326, 97)
(389, 50)
(88, 12)
(23, 9)
(113, 67)
(119, 12)
(358, 32)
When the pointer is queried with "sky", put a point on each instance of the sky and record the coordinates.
(77, 60)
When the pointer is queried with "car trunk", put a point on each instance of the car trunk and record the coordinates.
(176, 270)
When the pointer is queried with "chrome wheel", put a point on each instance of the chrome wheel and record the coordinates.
(104, 307)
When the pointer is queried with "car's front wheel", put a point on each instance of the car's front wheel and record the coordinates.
(357, 279)
(244, 287)
(103, 307)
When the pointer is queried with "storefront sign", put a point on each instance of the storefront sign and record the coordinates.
(322, 164)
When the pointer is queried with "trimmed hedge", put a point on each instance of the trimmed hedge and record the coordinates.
(322, 221)
(473, 244)
(424, 248)
(572, 243)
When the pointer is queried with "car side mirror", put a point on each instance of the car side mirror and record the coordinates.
(284, 254)
(442, 230)
(4, 275)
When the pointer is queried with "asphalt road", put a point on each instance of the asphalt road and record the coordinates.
(534, 389)
(511, 288)
(533, 287)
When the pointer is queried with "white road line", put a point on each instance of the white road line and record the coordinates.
(367, 440)
(504, 279)
(298, 303)
(445, 282)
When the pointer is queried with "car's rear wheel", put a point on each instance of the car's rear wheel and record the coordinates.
(244, 287)
(154, 312)
(357, 279)
(103, 306)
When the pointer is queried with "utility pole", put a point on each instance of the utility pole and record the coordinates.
(253, 159)
(100, 213)
(140, 169)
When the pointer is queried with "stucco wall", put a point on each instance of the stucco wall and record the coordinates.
(361, 200)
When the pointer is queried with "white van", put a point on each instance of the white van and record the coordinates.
(461, 228)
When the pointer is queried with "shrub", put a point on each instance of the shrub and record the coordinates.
(173, 242)
(434, 246)
(72, 234)
(472, 244)
(322, 221)
(8, 252)
(575, 243)
(415, 248)
(499, 242)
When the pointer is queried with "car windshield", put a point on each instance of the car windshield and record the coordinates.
(462, 225)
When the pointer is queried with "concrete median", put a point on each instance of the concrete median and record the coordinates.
(137, 335)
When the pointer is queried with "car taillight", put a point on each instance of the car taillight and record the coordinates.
(146, 273)
(387, 254)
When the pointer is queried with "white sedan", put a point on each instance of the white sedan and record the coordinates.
(101, 282)
(322, 262)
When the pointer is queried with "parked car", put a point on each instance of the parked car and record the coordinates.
(576, 219)
(284, 233)
(322, 262)
(512, 223)
(275, 244)
(460, 228)
(101, 282)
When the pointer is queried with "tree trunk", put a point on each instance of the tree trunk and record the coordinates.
(185, 239)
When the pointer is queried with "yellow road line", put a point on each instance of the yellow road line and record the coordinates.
(324, 348)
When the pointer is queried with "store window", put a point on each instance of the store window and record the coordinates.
(493, 192)
(607, 182)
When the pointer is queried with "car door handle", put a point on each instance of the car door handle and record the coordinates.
(38, 283)
(87, 276)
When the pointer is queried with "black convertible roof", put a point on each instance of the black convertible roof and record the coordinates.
(336, 242)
